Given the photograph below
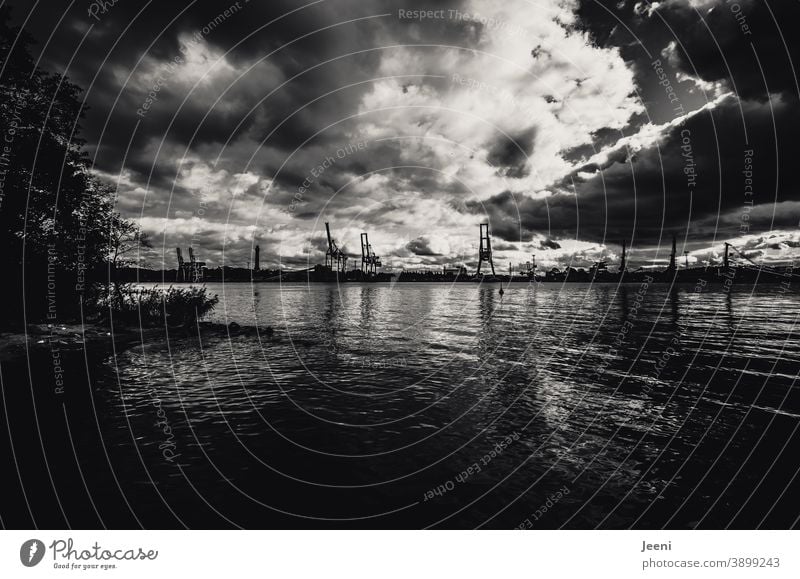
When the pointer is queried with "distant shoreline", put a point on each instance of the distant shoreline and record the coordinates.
(715, 284)
(711, 275)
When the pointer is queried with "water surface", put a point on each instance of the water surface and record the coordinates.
(379, 405)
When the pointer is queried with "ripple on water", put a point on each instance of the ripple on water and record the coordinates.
(419, 380)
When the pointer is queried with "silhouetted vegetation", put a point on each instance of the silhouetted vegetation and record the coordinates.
(132, 305)
(59, 231)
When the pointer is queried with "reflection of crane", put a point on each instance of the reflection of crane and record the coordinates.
(333, 254)
(369, 261)
(485, 249)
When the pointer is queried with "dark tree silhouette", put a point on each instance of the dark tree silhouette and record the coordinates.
(57, 221)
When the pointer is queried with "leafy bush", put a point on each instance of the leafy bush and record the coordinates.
(177, 306)
(186, 305)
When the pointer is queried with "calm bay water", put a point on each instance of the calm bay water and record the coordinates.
(419, 405)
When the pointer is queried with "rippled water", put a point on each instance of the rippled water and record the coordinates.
(383, 406)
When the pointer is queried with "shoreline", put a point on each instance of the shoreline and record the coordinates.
(96, 338)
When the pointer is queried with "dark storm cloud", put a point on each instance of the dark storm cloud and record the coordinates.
(549, 244)
(421, 246)
(508, 216)
(343, 172)
(721, 41)
(503, 246)
(604, 138)
(647, 194)
(693, 181)
(510, 154)
(129, 37)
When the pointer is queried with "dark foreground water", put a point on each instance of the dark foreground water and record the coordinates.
(420, 405)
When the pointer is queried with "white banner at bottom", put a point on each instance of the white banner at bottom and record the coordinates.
(399, 554)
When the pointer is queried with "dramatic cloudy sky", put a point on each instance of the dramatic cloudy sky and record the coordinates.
(568, 125)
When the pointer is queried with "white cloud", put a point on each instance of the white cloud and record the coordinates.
(568, 91)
